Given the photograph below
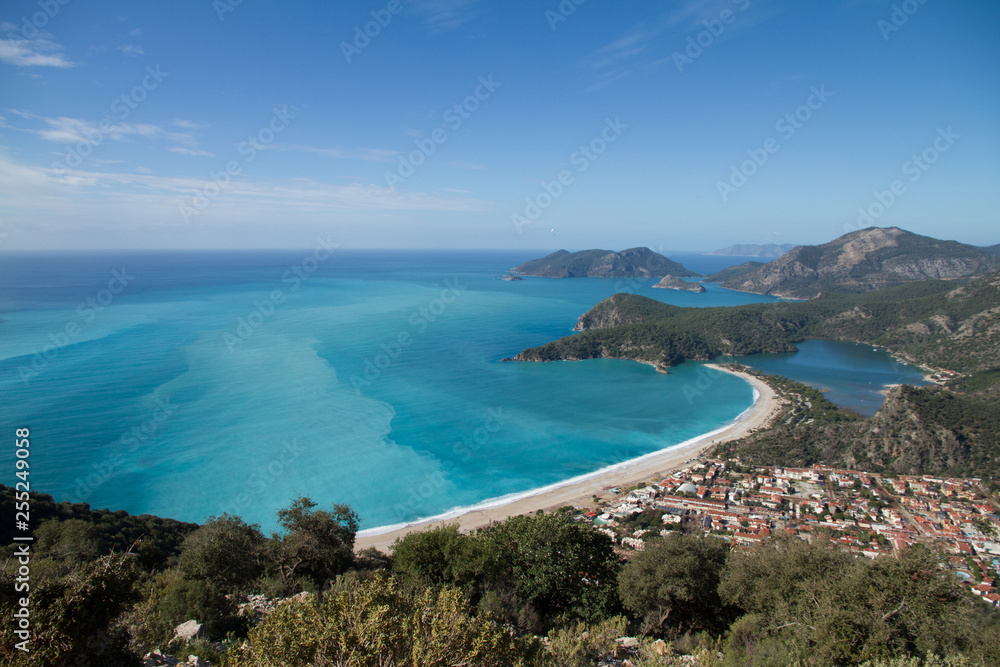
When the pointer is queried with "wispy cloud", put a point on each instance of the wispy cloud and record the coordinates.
(71, 131)
(131, 50)
(366, 154)
(442, 15)
(188, 124)
(72, 192)
(190, 151)
(38, 52)
(649, 44)
(65, 130)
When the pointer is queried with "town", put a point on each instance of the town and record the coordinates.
(867, 513)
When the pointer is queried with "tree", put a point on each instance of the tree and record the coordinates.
(438, 556)
(226, 552)
(564, 570)
(72, 540)
(672, 585)
(819, 605)
(317, 545)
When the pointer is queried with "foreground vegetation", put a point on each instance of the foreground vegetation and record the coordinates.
(540, 590)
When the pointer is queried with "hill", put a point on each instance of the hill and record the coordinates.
(917, 431)
(993, 250)
(631, 263)
(755, 250)
(732, 272)
(934, 322)
(864, 261)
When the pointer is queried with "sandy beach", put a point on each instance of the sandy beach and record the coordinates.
(656, 466)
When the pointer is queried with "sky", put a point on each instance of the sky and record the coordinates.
(677, 125)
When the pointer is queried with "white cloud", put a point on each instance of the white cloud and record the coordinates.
(130, 196)
(132, 50)
(66, 130)
(37, 52)
(190, 151)
(188, 124)
(366, 154)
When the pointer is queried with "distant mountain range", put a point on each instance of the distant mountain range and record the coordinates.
(861, 261)
(631, 263)
(992, 250)
(755, 250)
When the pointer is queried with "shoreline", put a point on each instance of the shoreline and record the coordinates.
(656, 465)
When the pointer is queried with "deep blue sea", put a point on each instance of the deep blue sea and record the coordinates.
(188, 384)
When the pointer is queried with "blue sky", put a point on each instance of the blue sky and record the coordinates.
(471, 124)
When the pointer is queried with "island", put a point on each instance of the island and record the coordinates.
(631, 263)
(673, 282)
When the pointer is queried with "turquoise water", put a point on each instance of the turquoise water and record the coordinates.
(851, 375)
(234, 382)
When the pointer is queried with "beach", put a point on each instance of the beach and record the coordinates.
(648, 468)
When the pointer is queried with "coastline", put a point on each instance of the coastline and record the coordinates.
(656, 465)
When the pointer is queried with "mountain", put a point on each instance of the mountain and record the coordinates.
(993, 250)
(732, 272)
(755, 250)
(631, 263)
(673, 282)
(864, 261)
(934, 322)
(917, 431)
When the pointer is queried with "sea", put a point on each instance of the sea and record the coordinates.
(192, 384)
